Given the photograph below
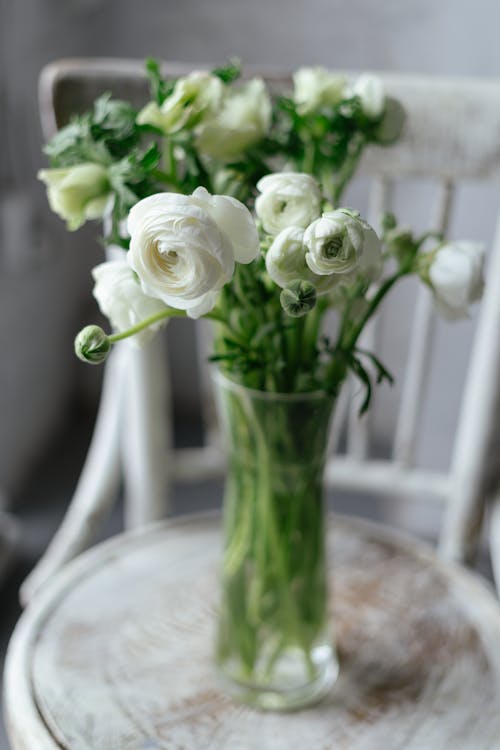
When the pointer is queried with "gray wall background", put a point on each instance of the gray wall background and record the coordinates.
(44, 271)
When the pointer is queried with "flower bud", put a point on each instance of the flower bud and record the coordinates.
(370, 90)
(298, 298)
(315, 88)
(194, 98)
(389, 222)
(392, 123)
(455, 273)
(242, 120)
(77, 193)
(400, 243)
(92, 345)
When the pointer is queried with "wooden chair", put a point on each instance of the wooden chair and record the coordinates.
(453, 136)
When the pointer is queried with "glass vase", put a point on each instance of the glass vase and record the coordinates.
(274, 644)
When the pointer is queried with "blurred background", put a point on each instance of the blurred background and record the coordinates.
(47, 399)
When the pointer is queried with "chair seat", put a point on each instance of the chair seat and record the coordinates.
(116, 651)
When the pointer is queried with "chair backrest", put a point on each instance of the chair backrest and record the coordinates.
(453, 136)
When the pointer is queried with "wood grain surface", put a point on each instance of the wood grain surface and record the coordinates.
(118, 655)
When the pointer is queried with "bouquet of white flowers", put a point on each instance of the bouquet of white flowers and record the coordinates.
(227, 203)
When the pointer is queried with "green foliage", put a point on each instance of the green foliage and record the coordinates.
(266, 337)
(159, 87)
(113, 123)
(228, 72)
(74, 144)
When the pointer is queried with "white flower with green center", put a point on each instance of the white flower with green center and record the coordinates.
(184, 247)
(77, 193)
(287, 199)
(286, 262)
(340, 242)
(194, 97)
(315, 88)
(243, 119)
(120, 297)
(456, 276)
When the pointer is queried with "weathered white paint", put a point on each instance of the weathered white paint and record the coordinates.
(475, 463)
(146, 437)
(359, 427)
(97, 486)
(419, 351)
(495, 536)
(116, 652)
(430, 148)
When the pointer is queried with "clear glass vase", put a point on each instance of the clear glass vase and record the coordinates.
(274, 646)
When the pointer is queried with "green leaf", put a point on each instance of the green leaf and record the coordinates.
(382, 372)
(159, 87)
(73, 144)
(113, 122)
(151, 158)
(228, 72)
(364, 377)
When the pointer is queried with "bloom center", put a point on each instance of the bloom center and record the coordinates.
(167, 259)
(333, 246)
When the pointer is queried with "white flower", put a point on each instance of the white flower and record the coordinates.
(341, 242)
(120, 297)
(317, 87)
(77, 193)
(456, 276)
(286, 262)
(183, 247)
(244, 119)
(285, 259)
(287, 199)
(194, 97)
(370, 90)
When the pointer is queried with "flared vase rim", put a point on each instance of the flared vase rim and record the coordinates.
(222, 379)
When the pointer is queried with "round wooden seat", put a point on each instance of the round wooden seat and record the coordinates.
(117, 652)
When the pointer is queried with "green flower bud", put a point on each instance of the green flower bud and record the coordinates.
(388, 222)
(92, 345)
(392, 123)
(77, 193)
(298, 298)
(401, 244)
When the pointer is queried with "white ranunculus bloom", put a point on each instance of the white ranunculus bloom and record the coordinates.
(194, 97)
(120, 297)
(286, 262)
(317, 87)
(287, 199)
(183, 247)
(77, 193)
(243, 119)
(370, 90)
(340, 242)
(456, 276)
